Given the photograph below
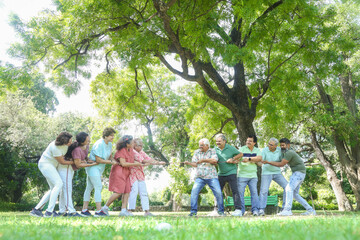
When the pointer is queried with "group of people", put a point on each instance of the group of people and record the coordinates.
(63, 157)
(238, 168)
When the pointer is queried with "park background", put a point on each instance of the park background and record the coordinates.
(274, 68)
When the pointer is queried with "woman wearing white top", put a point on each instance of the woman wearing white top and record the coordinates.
(49, 161)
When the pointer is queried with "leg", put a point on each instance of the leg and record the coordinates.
(254, 195)
(66, 203)
(88, 189)
(279, 179)
(198, 186)
(144, 196)
(96, 182)
(53, 178)
(215, 188)
(133, 195)
(62, 169)
(264, 190)
(297, 196)
(242, 182)
(295, 180)
(112, 198)
(125, 199)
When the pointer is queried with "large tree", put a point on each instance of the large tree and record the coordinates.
(232, 49)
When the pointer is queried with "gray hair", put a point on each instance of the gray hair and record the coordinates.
(138, 141)
(274, 140)
(205, 141)
(222, 136)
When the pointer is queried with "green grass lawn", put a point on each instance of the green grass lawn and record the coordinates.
(327, 225)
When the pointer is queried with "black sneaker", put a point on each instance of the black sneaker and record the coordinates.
(63, 214)
(192, 214)
(51, 214)
(86, 213)
(100, 214)
(74, 214)
(36, 213)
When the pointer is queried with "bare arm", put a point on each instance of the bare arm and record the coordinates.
(123, 163)
(62, 160)
(193, 164)
(209, 160)
(110, 161)
(81, 164)
(277, 164)
(253, 159)
(235, 159)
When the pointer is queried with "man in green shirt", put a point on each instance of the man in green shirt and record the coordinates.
(298, 169)
(228, 156)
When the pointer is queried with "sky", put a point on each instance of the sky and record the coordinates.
(27, 9)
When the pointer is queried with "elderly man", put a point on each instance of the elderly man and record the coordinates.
(247, 173)
(228, 158)
(204, 160)
(271, 153)
(298, 169)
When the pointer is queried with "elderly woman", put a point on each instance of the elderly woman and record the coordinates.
(119, 180)
(101, 154)
(48, 163)
(78, 152)
(137, 178)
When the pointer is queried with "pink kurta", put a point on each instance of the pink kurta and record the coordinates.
(137, 173)
(119, 180)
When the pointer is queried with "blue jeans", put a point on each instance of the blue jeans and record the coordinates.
(215, 188)
(292, 191)
(265, 184)
(252, 182)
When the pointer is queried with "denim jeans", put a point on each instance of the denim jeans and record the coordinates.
(214, 186)
(292, 191)
(265, 184)
(252, 182)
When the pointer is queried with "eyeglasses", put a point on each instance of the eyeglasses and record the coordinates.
(271, 145)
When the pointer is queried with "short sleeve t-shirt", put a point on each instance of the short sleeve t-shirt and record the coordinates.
(53, 151)
(205, 170)
(248, 170)
(102, 150)
(270, 156)
(295, 162)
(79, 153)
(226, 169)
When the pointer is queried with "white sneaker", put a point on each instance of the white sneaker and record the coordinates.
(213, 214)
(311, 212)
(255, 213)
(285, 213)
(130, 214)
(124, 214)
(237, 213)
(261, 212)
(105, 210)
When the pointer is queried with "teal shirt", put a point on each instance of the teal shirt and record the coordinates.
(248, 170)
(270, 156)
(102, 150)
(226, 169)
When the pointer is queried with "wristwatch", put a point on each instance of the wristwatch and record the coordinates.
(249, 159)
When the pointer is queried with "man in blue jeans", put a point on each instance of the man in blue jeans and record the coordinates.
(204, 160)
(271, 153)
(298, 169)
(247, 173)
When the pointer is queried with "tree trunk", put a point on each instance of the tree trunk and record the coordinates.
(349, 157)
(342, 200)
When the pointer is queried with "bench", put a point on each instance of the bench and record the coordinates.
(272, 201)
